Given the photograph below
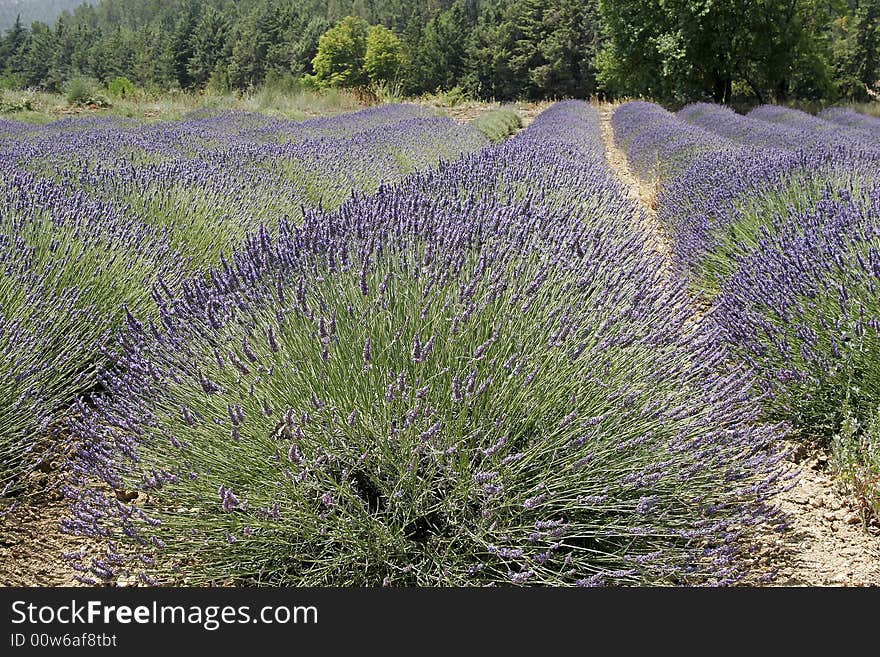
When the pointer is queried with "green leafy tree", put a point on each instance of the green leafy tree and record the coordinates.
(568, 40)
(383, 58)
(247, 66)
(631, 62)
(339, 61)
(411, 39)
(867, 51)
(484, 60)
(61, 35)
(686, 49)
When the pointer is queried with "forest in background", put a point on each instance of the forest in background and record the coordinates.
(670, 50)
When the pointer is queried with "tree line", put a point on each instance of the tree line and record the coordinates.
(670, 50)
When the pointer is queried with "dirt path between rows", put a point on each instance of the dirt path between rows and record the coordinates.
(827, 543)
(643, 191)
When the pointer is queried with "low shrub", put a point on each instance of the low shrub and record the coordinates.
(499, 124)
(118, 87)
(84, 91)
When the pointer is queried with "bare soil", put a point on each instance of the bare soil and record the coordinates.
(32, 545)
(827, 544)
(467, 112)
(645, 191)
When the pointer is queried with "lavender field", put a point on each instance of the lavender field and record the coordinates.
(377, 349)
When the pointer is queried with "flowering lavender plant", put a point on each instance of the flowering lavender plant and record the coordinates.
(477, 376)
(657, 142)
(850, 118)
(72, 268)
(803, 310)
(799, 120)
(717, 198)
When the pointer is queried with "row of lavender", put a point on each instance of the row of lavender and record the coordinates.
(780, 230)
(96, 214)
(477, 376)
(210, 180)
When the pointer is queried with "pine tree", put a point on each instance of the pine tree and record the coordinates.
(181, 46)
(38, 57)
(441, 57)
(208, 47)
(13, 46)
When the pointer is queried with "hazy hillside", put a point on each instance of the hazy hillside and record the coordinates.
(33, 10)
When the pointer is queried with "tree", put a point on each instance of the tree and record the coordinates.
(867, 50)
(410, 49)
(38, 57)
(688, 49)
(383, 58)
(544, 48)
(568, 41)
(440, 60)
(304, 45)
(247, 65)
(630, 62)
(261, 44)
(339, 61)
(486, 72)
(180, 47)
(12, 48)
(208, 46)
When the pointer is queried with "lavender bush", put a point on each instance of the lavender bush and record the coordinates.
(478, 376)
(71, 267)
(780, 128)
(803, 309)
(659, 144)
(746, 130)
(717, 208)
(189, 177)
(799, 120)
(716, 199)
